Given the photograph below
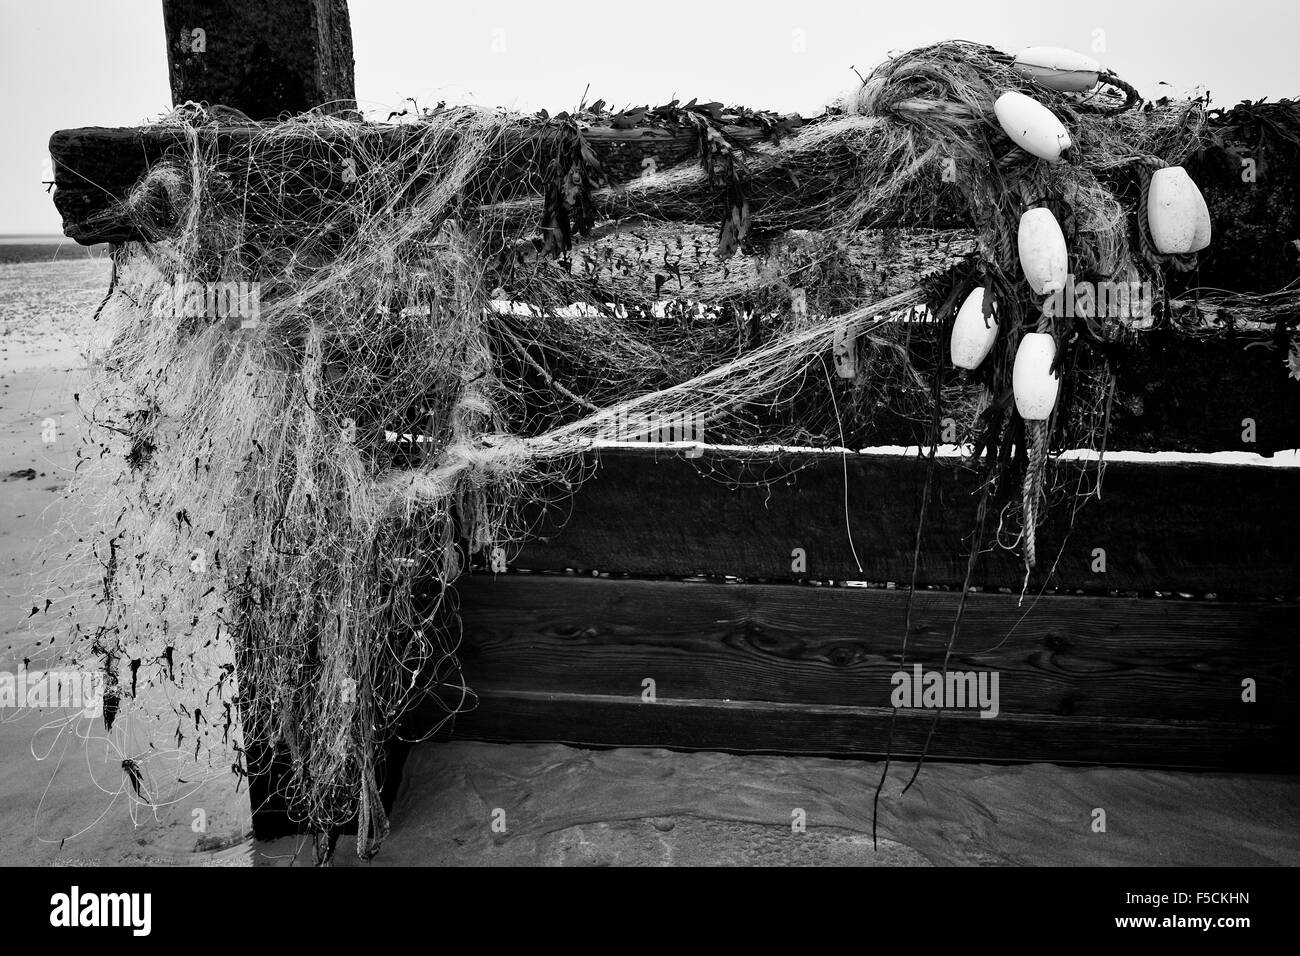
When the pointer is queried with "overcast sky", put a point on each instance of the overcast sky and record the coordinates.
(68, 63)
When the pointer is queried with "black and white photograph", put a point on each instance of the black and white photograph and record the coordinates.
(612, 434)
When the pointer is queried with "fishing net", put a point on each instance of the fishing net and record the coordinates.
(439, 317)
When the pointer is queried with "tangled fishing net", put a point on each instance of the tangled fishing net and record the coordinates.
(450, 313)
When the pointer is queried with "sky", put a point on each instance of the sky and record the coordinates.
(69, 63)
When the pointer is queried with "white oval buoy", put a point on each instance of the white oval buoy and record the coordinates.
(972, 335)
(1032, 381)
(1177, 213)
(1032, 126)
(1043, 256)
(1058, 68)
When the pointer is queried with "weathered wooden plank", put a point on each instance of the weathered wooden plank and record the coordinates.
(1060, 656)
(264, 58)
(1223, 529)
(748, 727)
(1254, 220)
(95, 167)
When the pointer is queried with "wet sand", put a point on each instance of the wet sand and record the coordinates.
(72, 806)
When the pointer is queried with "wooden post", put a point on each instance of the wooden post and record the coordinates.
(261, 57)
(265, 58)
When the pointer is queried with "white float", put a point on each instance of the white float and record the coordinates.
(1043, 256)
(1058, 68)
(1032, 381)
(1177, 213)
(972, 336)
(1031, 126)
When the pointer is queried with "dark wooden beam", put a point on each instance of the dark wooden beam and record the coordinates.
(1059, 656)
(1195, 393)
(1192, 528)
(264, 58)
(787, 669)
(1255, 219)
(94, 168)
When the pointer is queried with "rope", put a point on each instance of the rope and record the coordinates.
(1036, 435)
(372, 822)
(1131, 96)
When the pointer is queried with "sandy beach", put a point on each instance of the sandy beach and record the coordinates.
(482, 804)
(64, 798)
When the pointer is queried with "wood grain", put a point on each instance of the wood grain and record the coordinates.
(1077, 657)
(787, 669)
